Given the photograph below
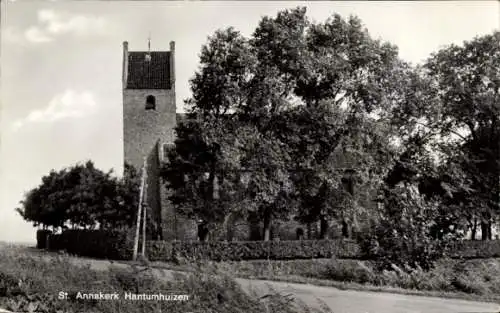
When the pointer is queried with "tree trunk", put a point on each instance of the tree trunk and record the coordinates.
(203, 231)
(309, 230)
(254, 225)
(324, 227)
(299, 234)
(229, 226)
(484, 231)
(159, 235)
(345, 229)
(267, 229)
(267, 226)
(474, 229)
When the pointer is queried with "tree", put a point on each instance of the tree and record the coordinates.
(193, 172)
(302, 89)
(122, 211)
(454, 111)
(226, 65)
(268, 186)
(81, 196)
(200, 162)
(468, 80)
(342, 76)
(403, 235)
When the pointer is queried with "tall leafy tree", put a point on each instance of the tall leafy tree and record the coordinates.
(80, 196)
(454, 113)
(200, 164)
(467, 78)
(340, 75)
(199, 175)
(301, 89)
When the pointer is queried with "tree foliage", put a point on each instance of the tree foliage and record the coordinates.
(82, 196)
(467, 78)
(403, 235)
(316, 121)
(452, 134)
(279, 129)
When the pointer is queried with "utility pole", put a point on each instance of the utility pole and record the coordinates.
(139, 212)
(144, 210)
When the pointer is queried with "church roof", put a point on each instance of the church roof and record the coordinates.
(153, 74)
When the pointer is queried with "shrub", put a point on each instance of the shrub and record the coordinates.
(102, 244)
(251, 250)
(475, 277)
(402, 237)
(55, 242)
(118, 245)
(472, 249)
(159, 250)
(351, 271)
(41, 238)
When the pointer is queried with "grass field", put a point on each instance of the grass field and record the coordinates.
(30, 282)
(32, 279)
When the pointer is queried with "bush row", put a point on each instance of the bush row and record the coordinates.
(118, 245)
(102, 244)
(41, 238)
(251, 250)
(472, 249)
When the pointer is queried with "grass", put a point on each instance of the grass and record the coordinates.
(32, 279)
(460, 279)
(31, 282)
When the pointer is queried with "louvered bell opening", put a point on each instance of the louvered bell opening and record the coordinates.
(150, 103)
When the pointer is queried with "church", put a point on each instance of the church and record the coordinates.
(149, 121)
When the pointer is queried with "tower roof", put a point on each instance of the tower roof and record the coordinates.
(148, 74)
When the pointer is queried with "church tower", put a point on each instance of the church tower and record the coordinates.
(149, 119)
(149, 109)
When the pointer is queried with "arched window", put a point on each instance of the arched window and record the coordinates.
(150, 103)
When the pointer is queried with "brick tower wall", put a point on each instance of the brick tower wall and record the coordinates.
(143, 77)
(153, 195)
(143, 129)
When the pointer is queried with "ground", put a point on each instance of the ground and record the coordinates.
(339, 301)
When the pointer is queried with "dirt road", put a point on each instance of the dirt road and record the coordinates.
(348, 301)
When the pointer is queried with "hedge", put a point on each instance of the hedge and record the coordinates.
(41, 238)
(475, 249)
(118, 245)
(102, 244)
(251, 250)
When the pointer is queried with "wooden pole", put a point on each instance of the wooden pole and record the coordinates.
(139, 213)
(144, 211)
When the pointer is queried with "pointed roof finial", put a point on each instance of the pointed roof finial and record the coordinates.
(149, 42)
(148, 54)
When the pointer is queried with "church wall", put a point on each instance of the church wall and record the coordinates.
(153, 194)
(143, 128)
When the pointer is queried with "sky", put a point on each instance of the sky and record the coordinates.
(60, 69)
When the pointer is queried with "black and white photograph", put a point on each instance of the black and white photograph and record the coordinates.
(249, 156)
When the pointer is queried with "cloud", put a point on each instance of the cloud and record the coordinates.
(35, 35)
(69, 104)
(12, 35)
(53, 23)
